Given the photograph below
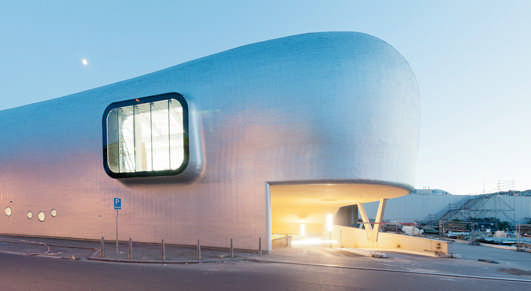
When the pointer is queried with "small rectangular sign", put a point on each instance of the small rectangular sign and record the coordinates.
(117, 203)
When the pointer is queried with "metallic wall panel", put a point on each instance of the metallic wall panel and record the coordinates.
(318, 106)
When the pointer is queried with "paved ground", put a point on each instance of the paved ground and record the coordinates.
(57, 248)
(505, 257)
(474, 261)
(36, 273)
(285, 269)
(142, 252)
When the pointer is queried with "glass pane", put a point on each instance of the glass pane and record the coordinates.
(160, 135)
(126, 137)
(176, 134)
(112, 141)
(143, 137)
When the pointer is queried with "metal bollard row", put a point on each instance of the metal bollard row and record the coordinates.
(198, 252)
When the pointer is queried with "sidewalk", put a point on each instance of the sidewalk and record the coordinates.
(57, 248)
(474, 261)
(90, 250)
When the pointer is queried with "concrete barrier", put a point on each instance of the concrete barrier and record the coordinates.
(349, 237)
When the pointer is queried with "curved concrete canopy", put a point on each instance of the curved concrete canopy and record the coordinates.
(339, 193)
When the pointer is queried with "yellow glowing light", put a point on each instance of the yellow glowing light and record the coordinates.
(84, 62)
(8, 211)
(29, 215)
(329, 222)
(303, 229)
(53, 213)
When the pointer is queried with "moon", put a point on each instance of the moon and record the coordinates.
(84, 62)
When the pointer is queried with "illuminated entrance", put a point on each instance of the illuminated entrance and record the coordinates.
(306, 211)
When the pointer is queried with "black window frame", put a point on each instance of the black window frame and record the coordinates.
(148, 99)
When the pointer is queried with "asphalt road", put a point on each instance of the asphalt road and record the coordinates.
(38, 273)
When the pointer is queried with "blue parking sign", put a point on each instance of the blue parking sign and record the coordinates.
(117, 203)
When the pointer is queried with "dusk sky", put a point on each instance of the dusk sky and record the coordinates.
(472, 60)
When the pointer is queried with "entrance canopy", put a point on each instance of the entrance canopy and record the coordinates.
(309, 203)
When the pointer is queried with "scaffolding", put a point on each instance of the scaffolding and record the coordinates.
(484, 206)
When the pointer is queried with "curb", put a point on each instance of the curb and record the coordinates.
(181, 262)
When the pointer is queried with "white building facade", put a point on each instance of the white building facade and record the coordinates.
(196, 151)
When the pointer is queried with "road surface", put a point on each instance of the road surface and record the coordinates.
(39, 273)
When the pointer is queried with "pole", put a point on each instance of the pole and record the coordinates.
(518, 237)
(117, 250)
(130, 252)
(163, 250)
(231, 249)
(260, 246)
(198, 250)
(102, 247)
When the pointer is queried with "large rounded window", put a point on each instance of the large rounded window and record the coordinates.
(146, 136)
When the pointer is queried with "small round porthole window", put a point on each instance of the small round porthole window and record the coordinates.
(41, 216)
(29, 215)
(53, 213)
(8, 211)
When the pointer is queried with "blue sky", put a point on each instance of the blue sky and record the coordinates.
(472, 60)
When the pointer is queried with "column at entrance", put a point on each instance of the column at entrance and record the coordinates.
(370, 230)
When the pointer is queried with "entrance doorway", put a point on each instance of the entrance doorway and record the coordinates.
(305, 213)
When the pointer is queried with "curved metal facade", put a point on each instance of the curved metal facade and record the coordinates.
(312, 107)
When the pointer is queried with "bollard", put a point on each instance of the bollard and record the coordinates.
(231, 249)
(163, 251)
(130, 252)
(102, 247)
(198, 250)
(518, 238)
(260, 246)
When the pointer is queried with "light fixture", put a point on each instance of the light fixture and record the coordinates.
(8, 211)
(53, 213)
(329, 222)
(41, 216)
(303, 229)
(29, 215)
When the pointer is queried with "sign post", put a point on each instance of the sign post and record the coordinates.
(117, 207)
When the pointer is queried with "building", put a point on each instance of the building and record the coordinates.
(437, 205)
(267, 138)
